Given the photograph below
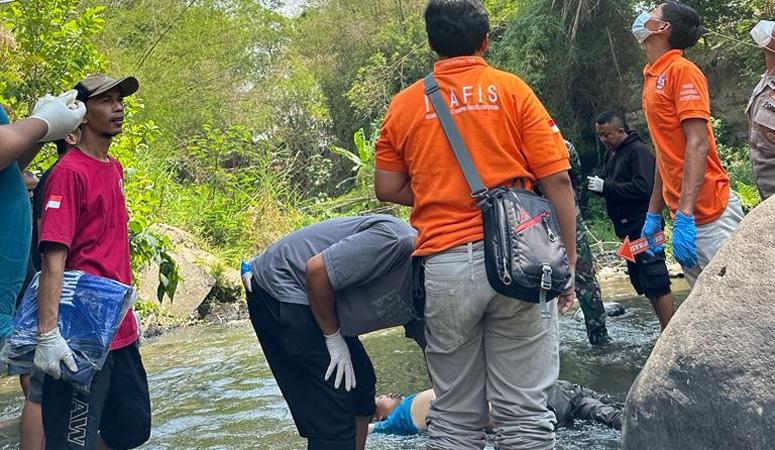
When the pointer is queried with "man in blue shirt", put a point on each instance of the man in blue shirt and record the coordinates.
(408, 415)
(52, 119)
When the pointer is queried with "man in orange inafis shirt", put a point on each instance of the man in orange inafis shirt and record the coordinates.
(689, 178)
(480, 345)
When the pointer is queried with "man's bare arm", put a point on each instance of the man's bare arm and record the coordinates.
(19, 141)
(29, 155)
(322, 300)
(657, 202)
(393, 187)
(50, 288)
(695, 163)
(558, 189)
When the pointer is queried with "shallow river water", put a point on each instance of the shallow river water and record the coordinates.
(211, 388)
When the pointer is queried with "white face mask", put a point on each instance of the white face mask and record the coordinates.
(762, 32)
(639, 29)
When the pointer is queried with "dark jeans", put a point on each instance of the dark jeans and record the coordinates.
(295, 349)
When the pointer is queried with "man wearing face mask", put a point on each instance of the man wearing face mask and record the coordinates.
(761, 113)
(689, 178)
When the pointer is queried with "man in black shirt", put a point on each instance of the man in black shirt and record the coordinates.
(626, 184)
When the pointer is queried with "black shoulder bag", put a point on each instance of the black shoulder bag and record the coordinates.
(524, 254)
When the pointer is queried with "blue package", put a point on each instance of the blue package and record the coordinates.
(91, 309)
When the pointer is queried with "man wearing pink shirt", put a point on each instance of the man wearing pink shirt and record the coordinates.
(84, 227)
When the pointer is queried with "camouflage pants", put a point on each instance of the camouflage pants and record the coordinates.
(588, 289)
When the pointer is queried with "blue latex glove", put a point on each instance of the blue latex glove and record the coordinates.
(247, 276)
(652, 226)
(685, 240)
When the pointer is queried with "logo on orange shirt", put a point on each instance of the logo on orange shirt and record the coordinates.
(689, 93)
(468, 98)
(661, 81)
(554, 126)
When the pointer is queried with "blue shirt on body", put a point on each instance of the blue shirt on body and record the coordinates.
(399, 421)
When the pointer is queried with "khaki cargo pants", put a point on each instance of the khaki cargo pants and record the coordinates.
(484, 347)
(711, 236)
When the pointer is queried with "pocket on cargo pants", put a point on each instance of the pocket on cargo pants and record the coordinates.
(455, 300)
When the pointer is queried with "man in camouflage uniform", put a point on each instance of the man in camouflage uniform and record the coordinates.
(587, 287)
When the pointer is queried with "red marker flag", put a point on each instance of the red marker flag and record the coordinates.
(629, 250)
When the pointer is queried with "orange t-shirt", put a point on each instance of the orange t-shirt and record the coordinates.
(676, 90)
(506, 129)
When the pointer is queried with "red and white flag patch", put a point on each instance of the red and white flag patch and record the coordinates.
(554, 126)
(54, 202)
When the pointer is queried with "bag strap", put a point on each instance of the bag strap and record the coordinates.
(478, 189)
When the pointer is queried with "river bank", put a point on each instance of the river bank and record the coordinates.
(210, 288)
(228, 304)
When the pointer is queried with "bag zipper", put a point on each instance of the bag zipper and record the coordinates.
(546, 286)
(505, 272)
(549, 232)
(531, 222)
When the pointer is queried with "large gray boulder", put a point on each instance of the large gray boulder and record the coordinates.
(195, 267)
(710, 381)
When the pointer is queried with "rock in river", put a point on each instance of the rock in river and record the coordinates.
(194, 265)
(710, 380)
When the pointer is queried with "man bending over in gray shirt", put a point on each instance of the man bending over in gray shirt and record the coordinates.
(312, 293)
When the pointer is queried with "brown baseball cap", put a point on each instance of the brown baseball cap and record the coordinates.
(98, 84)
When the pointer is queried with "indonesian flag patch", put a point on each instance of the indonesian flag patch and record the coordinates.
(554, 126)
(54, 202)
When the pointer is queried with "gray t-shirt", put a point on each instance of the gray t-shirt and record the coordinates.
(368, 261)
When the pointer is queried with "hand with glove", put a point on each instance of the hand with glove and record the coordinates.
(340, 361)
(652, 226)
(596, 184)
(61, 114)
(685, 240)
(52, 349)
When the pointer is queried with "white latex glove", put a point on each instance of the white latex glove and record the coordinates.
(596, 184)
(51, 350)
(69, 98)
(48, 98)
(340, 360)
(62, 114)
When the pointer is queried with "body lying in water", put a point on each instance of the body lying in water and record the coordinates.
(407, 415)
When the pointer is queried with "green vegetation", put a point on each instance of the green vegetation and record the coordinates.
(243, 127)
